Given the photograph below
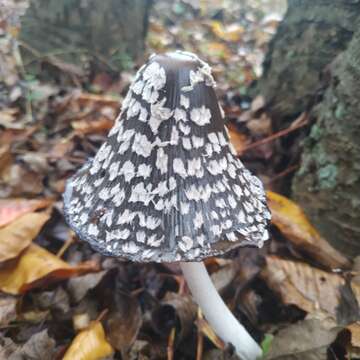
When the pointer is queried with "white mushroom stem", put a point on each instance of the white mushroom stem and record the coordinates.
(223, 322)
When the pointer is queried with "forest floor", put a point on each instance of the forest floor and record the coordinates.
(59, 299)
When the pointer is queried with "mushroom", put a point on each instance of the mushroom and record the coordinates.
(167, 186)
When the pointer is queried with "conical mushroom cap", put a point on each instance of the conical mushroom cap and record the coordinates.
(166, 185)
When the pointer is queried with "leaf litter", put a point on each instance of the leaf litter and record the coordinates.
(60, 300)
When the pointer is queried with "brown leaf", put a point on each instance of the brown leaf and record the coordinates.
(78, 287)
(39, 346)
(123, 322)
(7, 309)
(308, 339)
(208, 331)
(300, 284)
(89, 344)
(174, 310)
(238, 140)
(295, 226)
(84, 127)
(11, 209)
(16, 180)
(37, 267)
(18, 235)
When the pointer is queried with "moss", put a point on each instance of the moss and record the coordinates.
(340, 111)
(315, 132)
(327, 176)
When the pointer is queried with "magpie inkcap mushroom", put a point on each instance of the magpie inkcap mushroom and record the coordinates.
(167, 185)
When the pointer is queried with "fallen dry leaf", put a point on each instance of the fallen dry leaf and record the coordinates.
(174, 311)
(295, 226)
(237, 139)
(123, 322)
(308, 339)
(302, 285)
(11, 209)
(39, 346)
(230, 33)
(208, 331)
(18, 235)
(89, 344)
(7, 309)
(84, 127)
(37, 267)
(78, 287)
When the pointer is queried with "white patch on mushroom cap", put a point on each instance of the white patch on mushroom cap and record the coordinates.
(137, 87)
(161, 161)
(142, 146)
(155, 75)
(144, 170)
(143, 114)
(200, 116)
(93, 230)
(114, 170)
(180, 115)
(179, 167)
(130, 248)
(186, 243)
(184, 101)
(128, 170)
(186, 143)
(185, 129)
(198, 220)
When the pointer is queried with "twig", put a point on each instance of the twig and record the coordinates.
(200, 340)
(170, 346)
(300, 122)
(281, 174)
(66, 245)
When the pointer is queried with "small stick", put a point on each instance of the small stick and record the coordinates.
(66, 245)
(200, 339)
(170, 346)
(277, 135)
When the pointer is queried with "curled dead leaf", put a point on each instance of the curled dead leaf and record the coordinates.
(207, 330)
(293, 223)
(308, 339)
(302, 285)
(89, 344)
(174, 310)
(123, 322)
(18, 235)
(11, 209)
(37, 267)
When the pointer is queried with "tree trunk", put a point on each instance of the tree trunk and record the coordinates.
(109, 34)
(311, 35)
(314, 65)
(328, 182)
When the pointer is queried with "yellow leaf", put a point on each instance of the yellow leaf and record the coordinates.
(89, 344)
(11, 209)
(230, 33)
(216, 49)
(293, 223)
(37, 267)
(18, 235)
(208, 331)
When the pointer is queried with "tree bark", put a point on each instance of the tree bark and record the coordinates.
(328, 182)
(311, 35)
(313, 64)
(109, 34)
